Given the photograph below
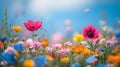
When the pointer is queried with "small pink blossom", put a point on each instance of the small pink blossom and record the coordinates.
(26, 51)
(84, 42)
(33, 51)
(49, 49)
(9, 50)
(59, 46)
(29, 43)
(64, 52)
(102, 41)
(111, 42)
(94, 61)
(68, 43)
(20, 42)
(37, 44)
(57, 37)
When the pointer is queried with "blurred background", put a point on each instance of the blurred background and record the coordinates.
(64, 16)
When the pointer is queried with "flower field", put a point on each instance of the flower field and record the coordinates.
(91, 47)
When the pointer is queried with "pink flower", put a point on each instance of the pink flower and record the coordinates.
(20, 42)
(90, 33)
(26, 51)
(57, 37)
(94, 61)
(49, 49)
(32, 26)
(84, 42)
(9, 50)
(68, 43)
(102, 41)
(111, 42)
(59, 46)
(64, 52)
(37, 44)
(33, 51)
(29, 43)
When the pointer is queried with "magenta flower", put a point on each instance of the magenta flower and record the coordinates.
(90, 32)
(32, 26)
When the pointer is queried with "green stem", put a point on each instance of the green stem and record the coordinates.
(33, 35)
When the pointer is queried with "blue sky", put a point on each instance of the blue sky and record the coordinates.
(54, 13)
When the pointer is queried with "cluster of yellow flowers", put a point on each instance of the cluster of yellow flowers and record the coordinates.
(78, 37)
(80, 49)
(65, 59)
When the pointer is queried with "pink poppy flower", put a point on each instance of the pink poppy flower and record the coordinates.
(32, 26)
(90, 33)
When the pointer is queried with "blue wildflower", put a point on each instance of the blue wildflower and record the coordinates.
(100, 65)
(117, 35)
(39, 61)
(18, 47)
(76, 65)
(90, 59)
(111, 47)
(0, 39)
(8, 57)
(102, 49)
(6, 38)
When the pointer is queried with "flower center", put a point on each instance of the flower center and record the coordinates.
(32, 26)
(90, 34)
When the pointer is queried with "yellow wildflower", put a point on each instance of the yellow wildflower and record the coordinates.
(65, 59)
(49, 58)
(78, 37)
(28, 63)
(78, 49)
(17, 28)
(87, 52)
